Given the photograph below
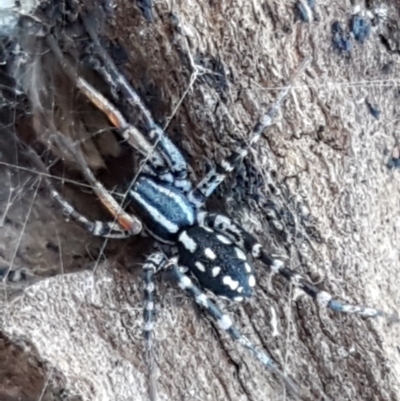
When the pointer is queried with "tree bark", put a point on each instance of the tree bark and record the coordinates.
(316, 190)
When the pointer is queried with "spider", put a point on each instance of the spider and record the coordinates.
(211, 251)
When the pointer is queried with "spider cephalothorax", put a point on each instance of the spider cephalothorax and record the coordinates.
(211, 248)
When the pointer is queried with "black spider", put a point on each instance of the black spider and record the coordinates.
(210, 247)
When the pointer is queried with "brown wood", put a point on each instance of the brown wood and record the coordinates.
(323, 162)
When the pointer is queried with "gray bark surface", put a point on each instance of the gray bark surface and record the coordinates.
(321, 168)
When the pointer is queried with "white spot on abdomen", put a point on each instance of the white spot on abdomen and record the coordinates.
(232, 284)
(252, 281)
(187, 242)
(200, 266)
(248, 268)
(223, 239)
(240, 254)
(210, 253)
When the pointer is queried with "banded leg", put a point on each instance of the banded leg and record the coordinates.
(154, 263)
(156, 165)
(126, 130)
(246, 241)
(226, 324)
(215, 176)
(126, 221)
(171, 154)
(96, 228)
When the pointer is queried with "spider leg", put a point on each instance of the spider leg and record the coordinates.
(217, 175)
(126, 221)
(96, 228)
(154, 263)
(171, 154)
(126, 130)
(246, 241)
(226, 324)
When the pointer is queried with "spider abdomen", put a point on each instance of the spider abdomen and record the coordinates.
(163, 209)
(218, 264)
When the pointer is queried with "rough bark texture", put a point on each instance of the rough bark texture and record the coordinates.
(321, 168)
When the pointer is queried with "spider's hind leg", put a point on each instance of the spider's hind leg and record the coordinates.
(225, 323)
(153, 264)
(246, 241)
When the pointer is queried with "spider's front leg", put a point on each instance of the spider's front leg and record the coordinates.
(127, 131)
(170, 153)
(246, 241)
(217, 175)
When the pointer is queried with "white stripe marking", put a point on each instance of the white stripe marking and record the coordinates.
(215, 271)
(201, 216)
(176, 197)
(168, 225)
